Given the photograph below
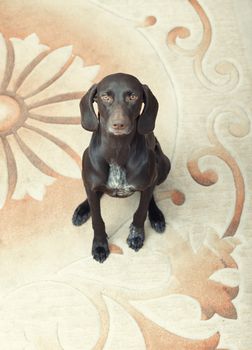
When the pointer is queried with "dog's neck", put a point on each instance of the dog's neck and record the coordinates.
(116, 149)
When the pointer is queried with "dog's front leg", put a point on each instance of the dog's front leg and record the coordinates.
(100, 249)
(136, 237)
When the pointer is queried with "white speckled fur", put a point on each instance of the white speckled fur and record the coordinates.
(117, 181)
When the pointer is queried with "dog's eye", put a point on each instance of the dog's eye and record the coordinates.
(106, 98)
(133, 97)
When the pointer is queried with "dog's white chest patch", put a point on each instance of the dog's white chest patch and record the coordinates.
(117, 182)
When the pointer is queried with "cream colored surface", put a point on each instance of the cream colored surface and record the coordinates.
(189, 288)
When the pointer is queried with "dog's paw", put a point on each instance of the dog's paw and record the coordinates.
(100, 251)
(81, 214)
(157, 221)
(136, 237)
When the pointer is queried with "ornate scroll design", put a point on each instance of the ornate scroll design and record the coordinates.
(224, 68)
(209, 177)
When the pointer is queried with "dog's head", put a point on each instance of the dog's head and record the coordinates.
(120, 98)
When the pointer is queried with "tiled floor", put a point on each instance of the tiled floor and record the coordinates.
(188, 289)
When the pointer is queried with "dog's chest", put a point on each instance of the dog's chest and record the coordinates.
(117, 183)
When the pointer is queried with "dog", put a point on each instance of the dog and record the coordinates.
(123, 156)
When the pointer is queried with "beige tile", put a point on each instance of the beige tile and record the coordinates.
(189, 288)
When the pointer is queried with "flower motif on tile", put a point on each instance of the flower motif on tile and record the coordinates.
(198, 279)
(40, 90)
(75, 303)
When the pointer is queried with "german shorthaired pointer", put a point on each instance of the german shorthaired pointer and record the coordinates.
(123, 156)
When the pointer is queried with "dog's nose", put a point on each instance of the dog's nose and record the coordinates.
(118, 126)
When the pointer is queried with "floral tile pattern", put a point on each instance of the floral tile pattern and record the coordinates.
(31, 83)
(188, 289)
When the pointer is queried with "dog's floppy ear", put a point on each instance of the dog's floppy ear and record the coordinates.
(89, 119)
(146, 121)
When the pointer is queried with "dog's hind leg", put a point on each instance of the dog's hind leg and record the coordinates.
(82, 213)
(156, 217)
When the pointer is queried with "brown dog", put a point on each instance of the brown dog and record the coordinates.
(123, 156)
